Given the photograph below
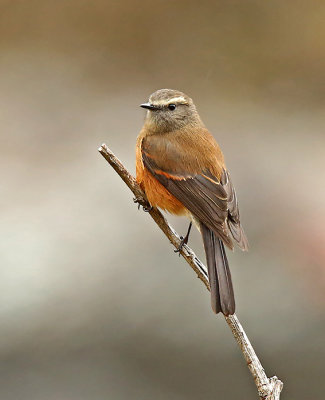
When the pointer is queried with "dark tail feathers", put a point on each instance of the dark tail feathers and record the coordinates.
(222, 293)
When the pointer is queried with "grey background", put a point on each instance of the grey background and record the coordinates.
(93, 302)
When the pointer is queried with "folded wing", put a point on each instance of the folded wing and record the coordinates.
(211, 201)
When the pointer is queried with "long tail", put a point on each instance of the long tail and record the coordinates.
(222, 293)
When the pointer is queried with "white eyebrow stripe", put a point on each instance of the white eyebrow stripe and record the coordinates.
(178, 99)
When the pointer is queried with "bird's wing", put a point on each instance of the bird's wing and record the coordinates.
(203, 194)
(233, 219)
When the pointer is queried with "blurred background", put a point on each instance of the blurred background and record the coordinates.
(94, 304)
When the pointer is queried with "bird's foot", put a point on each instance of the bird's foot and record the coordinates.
(184, 240)
(137, 201)
(147, 209)
(140, 203)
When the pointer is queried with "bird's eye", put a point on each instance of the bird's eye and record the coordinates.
(171, 107)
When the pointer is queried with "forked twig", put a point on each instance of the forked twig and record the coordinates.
(268, 388)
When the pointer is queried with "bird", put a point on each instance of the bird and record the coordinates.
(181, 169)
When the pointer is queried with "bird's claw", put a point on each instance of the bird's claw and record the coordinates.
(145, 208)
(181, 245)
(184, 240)
(137, 201)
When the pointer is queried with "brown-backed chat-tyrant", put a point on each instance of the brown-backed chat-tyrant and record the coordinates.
(181, 168)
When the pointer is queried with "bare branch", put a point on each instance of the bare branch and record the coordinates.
(268, 388)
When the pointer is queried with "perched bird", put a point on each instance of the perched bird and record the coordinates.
(181, 168)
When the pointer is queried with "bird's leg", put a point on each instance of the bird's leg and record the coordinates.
(145, 208)
(184, 240)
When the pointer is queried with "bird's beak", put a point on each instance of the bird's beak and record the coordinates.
(148, 106)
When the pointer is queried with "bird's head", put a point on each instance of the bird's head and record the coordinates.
(170, 110)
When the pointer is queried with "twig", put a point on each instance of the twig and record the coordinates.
(268, 388)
